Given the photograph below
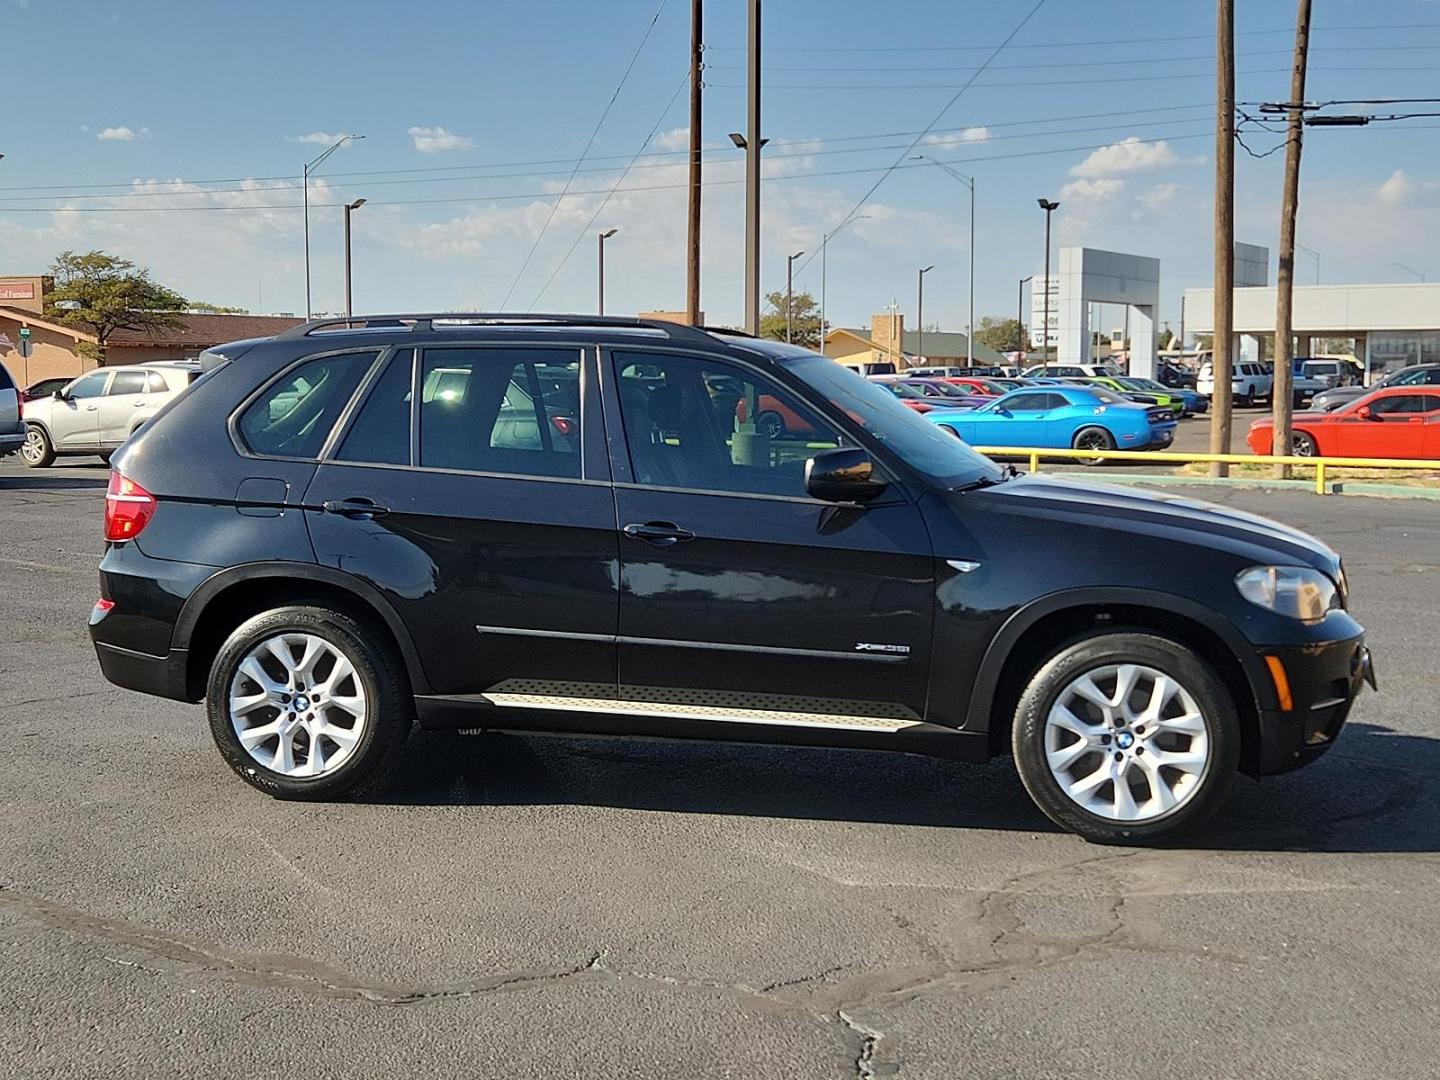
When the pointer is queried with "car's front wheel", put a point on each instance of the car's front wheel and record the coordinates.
(1126, 737)
(37, 451)
(1302, 444)
(307, 702)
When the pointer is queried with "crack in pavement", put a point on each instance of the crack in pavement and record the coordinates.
(869, 1042)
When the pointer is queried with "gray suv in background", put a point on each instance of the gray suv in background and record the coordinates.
(1415, 375)
(97, 412)
(12, 431)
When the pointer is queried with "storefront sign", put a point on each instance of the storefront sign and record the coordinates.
(17, 290)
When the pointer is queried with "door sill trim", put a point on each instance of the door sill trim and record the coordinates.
(719, 713)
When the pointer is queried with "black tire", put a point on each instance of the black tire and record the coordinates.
(38, 451)
(379, 672)
(1093, 438)
(771, 423)
(1303, 444)
(1095, 651)
(1250, 398)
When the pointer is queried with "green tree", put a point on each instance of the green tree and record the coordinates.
(804, 319)
(102, 293)
(215, 309)
(1002, 335)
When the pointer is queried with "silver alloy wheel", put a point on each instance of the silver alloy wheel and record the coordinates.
(33, 449)
(1127, 742)
(297, 705)
(1302, 445)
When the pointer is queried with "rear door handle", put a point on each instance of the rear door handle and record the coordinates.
(359, 509)
(659, 533)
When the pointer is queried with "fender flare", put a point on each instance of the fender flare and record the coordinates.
(987, 679)
(363, 592)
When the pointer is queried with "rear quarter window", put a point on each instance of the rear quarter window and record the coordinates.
(293, 416)
(6, 383)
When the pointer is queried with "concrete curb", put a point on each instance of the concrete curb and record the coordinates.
(1338, 487)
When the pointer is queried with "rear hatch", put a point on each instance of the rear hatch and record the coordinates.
(10, 423)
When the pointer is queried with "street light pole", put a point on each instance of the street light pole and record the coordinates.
(790, 293)
(1020, 314)
(602, 237)
(305, 200)
(968, 181)
(919, 315)
(1410, 270)
(350, 208)
(1049, 207)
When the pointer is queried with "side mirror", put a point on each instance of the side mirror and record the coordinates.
(1364, 413)
(843, 475)
(58, 395)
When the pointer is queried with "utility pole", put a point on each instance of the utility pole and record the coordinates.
(1223, 400)
(1281, 402)
(752, 178)
(692, 232)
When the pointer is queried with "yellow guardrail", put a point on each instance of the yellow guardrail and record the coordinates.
(1319, 464)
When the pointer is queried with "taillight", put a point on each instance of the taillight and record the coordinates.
(563, 424)
(128, 508)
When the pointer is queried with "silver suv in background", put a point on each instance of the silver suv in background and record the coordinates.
(1249, 381)
(12, 431)
(97, 412)
(1414, 375)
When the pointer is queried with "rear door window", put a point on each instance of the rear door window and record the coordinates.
(126, 382)
(156, 383)
(496, 410)
(380, 434)
(294, 415)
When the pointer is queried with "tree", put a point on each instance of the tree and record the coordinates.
(804, 319)
(1002, 335)
(102, 293)
(214, 309)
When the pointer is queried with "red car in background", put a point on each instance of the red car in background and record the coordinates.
(975, 384)
(1396, 422)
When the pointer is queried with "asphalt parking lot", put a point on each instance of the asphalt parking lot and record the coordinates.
(531, 907)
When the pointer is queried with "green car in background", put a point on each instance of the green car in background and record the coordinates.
(1167, 398)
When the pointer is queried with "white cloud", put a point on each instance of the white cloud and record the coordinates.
(117, 134)
(435, 140)
(1159, 196)
(319, 138)
(1398, 189)
(1127, 155)
(1091, 190)
(959, 138)
(675, 139)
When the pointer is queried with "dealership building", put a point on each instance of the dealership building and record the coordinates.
(34, 346)
(1391, 325)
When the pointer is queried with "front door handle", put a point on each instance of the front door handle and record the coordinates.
(358, 509)
(659, 533)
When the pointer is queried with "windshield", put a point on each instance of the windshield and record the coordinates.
(1140, 384)
(945, 389)
(923, 446)
(1109, 396)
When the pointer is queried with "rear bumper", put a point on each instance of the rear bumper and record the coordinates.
(1324, 681)
(163, 676)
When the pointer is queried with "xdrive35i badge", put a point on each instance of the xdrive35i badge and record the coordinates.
(872, 646)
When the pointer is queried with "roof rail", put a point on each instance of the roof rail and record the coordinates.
(423, 322)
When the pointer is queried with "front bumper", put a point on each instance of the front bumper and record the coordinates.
(1323, 682)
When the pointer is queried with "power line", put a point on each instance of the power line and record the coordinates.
(1208, 57)
(84, 191)
(1069, 44)
(606, 201)
(935, 120)
(473, 199)
(589, 143)
(1051, 82)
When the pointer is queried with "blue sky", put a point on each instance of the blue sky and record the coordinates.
(475, 115)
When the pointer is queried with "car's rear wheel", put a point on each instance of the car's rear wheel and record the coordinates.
(37, 451)
(307, 702)
(1126, 737)
(1302, 444)
(1093, 438)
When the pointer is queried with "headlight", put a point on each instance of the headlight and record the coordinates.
(1295, 591)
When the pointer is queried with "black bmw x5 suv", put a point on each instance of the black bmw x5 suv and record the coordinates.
(550, 523)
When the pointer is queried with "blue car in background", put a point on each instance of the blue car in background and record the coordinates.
(1194, 401)
(1062, 417)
